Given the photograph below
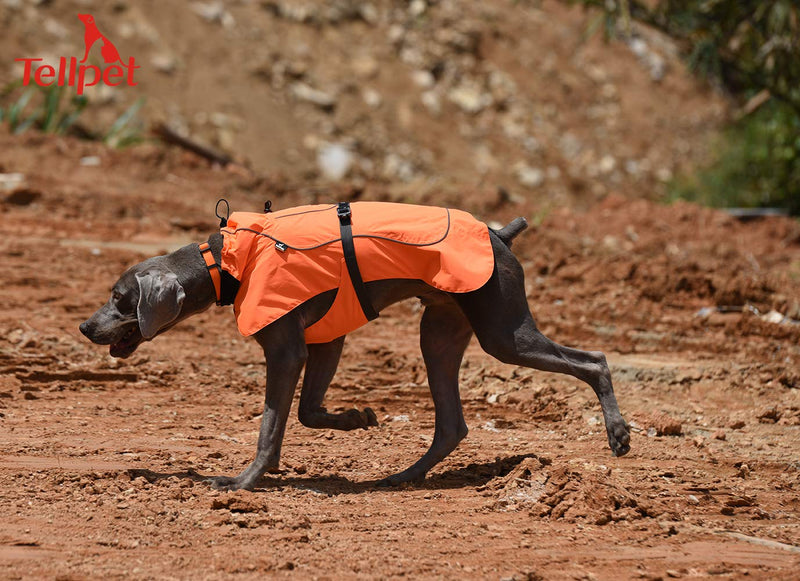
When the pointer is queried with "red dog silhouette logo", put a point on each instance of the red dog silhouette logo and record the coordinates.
(91, 35)
(73, 73)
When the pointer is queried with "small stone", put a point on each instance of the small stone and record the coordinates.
(607, 164)
(90, 161)
(769, 415)
(11, 181)
(664, 424)
(432, 102)
(321, 99)
(530, 177)
(470, 98)
(372, 98)
(214, 12)
(334, 161)
(744, 471)
(417, 7)
(365, 66)
(164, 63)
(720, 435)
(736, 425)
(423, 79)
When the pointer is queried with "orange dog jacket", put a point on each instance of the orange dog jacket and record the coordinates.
(282, 259)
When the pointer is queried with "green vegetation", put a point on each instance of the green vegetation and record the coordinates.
(45, 109)
(50, 116)
(752, 48)
(758, 164)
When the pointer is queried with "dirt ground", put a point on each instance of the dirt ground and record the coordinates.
(498, 108)
(102, 461)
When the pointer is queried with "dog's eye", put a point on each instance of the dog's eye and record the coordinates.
(116, 295)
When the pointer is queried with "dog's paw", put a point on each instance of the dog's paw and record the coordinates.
(228, 483)
(619, 438)
(370, 418)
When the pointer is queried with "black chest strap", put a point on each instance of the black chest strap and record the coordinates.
(346, 230)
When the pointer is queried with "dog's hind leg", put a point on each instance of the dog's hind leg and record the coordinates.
(444, 336)
(499, 314)
(323, 358)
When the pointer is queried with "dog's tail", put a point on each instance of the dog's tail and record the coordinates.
(509, 232)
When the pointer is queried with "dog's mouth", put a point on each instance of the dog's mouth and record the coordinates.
(127, 344)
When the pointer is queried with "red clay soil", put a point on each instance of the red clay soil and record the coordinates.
(102, 461)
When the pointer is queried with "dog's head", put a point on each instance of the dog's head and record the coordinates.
(144, 302)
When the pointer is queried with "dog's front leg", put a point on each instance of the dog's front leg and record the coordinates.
(285, 352)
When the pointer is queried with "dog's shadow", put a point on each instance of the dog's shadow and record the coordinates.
(474, 475)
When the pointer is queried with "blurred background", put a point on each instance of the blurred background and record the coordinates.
(561, 103)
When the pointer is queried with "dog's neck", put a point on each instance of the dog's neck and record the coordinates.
(229, 286)
(192, 273)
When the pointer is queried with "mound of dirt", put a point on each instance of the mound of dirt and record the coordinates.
(562, 492)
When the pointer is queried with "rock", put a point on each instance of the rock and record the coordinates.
(502, 87)
(213, 12)
(417, 7)
(397, 167)
(469, 98)
(365, 66)
(769, 415)
(530, 177)
(663, 424)
(334, 161)
(240, 501)
(164, 63)
(90, 161)
(368, 13)
(56, 29)
(372, 98)
(664, 174)
(607, 164)
(304, 92)
(11, 181)
(720, 435)
(432, 102)
(423, 78)
(570, 146)
(736, 425)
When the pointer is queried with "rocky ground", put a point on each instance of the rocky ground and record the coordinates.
(498, 108)
(102, 461)
(423, 96)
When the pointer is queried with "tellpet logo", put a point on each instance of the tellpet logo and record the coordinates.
(72, 73)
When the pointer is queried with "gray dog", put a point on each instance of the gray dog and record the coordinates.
(155, 295)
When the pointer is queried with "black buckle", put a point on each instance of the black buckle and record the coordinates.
(343, 211)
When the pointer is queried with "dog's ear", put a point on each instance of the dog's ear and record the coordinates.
(160, 300)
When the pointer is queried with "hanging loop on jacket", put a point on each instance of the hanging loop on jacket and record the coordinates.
(223, 220)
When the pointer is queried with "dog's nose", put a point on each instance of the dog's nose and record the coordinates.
(84, 327)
